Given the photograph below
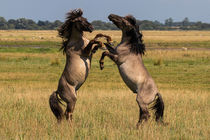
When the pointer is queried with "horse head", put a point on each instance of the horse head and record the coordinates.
(130, 32)
(81, 23)
(76, 21)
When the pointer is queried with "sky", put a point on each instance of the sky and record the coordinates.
(195, 10)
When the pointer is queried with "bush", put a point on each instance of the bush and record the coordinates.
(158, 62)
(55, 62)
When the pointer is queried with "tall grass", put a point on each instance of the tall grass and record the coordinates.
(106, 108)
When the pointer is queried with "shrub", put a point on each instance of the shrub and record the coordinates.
(158, 62)
(55, 62)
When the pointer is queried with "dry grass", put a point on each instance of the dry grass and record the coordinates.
(149, 36)
(26, 35)
(106, 108)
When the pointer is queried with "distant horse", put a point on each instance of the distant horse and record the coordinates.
(128, 57)
(79, 53)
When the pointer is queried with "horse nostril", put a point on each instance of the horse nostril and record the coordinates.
(110, 16)
(91, 27)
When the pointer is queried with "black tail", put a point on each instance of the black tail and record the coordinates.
(55, 107)
(158, 107)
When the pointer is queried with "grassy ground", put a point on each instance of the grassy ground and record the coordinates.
(106, 108)
(154, 39)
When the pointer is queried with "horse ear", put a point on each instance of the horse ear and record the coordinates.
(131, 19)
(74, 14)
(79, 12)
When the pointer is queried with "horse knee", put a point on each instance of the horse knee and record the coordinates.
(141, 103)
(143, 110)
(69, 115)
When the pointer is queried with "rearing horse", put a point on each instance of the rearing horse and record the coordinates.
(79, 53)
(128, 57)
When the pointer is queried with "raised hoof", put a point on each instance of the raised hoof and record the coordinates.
(94, 51)
(101, 65)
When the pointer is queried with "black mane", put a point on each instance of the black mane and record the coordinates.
(65, 30)
(137, 45)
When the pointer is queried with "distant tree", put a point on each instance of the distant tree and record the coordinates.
(11, 23)
(157, 23)
(41, 23)
(186, 22)
(169, 22)
(29, 24)
(3, 23)
(101, 25)
(21, 23)
(148, 25)
(57, 24)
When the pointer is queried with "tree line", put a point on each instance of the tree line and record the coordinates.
(169, 24)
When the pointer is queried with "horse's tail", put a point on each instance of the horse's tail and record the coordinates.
(158, 107)
(55, 107)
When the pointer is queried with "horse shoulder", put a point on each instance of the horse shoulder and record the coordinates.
(85, 42)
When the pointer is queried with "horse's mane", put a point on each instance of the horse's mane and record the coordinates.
(137, 45)
(65, 30)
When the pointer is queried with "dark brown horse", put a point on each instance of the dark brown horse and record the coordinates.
(128, 57)
(79, 51)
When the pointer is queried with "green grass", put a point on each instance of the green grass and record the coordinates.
(29, 43)
(26, 49)
(178, 44)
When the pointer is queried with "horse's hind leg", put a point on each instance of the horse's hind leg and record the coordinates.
(69, 96)
(143, 110)
(71, 102)
(55, 107)
(70, 109)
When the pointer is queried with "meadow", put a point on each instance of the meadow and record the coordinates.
(30, 67)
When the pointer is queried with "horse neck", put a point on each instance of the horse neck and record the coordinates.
(76, 35)
(125, 38)
(76, 40)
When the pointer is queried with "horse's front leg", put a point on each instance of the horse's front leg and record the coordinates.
(113, 57)
(108, 39)
(88, 49)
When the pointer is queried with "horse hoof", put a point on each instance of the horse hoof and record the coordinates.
(163, 123)
(138, 125)
(101, 67)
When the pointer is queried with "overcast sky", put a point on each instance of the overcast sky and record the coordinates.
(195, 10)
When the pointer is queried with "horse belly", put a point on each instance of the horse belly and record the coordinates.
(78, 72)
(131, 78)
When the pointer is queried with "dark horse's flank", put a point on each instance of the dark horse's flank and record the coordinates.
(79, 53)
(128, 57)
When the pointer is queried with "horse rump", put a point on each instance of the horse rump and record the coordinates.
(55, 107)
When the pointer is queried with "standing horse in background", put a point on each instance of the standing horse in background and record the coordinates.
(79, 51)
(128, 57)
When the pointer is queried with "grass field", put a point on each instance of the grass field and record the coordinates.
(154, 39)
(106, 108)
